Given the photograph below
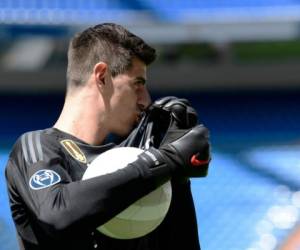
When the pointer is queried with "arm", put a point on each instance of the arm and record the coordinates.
(87, 204)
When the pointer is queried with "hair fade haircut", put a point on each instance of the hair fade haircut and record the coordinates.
(108, 42)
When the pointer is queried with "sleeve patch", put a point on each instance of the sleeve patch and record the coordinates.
(43, 178)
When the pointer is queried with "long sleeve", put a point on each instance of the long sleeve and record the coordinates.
(82, 204)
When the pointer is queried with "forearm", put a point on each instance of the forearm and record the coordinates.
(94, 201)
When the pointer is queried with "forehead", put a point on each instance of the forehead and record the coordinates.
(138, 68)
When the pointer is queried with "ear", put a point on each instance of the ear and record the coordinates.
(100, 71)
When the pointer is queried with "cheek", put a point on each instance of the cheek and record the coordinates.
(120, 96)
(126, 106)
(129, 99)
(124, 99)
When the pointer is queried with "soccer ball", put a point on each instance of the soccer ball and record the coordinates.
(144, 215)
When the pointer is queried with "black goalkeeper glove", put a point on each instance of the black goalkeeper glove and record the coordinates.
(187, 156)
(184, 116)
(179, 115)
(164, 121)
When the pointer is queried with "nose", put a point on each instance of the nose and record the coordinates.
(144, 98)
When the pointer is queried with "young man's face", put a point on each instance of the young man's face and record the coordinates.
(129, 98)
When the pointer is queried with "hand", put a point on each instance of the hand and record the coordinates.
(188, 155)
(183, 114)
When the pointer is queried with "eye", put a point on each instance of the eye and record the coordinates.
(140, 83)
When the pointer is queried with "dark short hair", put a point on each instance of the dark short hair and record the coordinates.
(107, 42)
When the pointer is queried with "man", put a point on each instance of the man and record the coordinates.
(106, 93)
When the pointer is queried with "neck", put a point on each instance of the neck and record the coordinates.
(81, 117)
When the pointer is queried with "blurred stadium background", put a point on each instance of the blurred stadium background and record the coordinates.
(236, 60)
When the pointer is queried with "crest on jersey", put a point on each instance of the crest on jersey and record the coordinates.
(44, 178)
(74, 150)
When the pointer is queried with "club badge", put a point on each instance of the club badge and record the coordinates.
(74, 150)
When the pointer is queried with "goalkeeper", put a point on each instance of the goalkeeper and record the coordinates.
(51, 206)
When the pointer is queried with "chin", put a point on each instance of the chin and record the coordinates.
(122, 133)
(125, 131)
(126, 126)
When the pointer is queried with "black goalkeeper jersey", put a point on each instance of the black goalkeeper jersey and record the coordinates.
(53, 208)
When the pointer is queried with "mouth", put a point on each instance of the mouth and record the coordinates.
(139, 116)
(140, 113)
